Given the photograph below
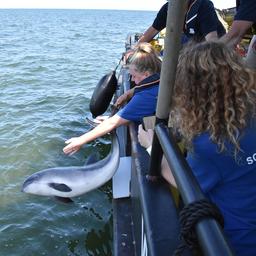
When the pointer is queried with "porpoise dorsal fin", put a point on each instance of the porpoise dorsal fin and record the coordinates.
(60, 187)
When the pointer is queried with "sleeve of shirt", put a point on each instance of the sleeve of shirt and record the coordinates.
(205, 172)
(246, 11)
(141, 105)
(207, 18)
(160, 20)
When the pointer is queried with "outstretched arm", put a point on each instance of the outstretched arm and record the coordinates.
(74, 144)
(148, 35)
(236, 32)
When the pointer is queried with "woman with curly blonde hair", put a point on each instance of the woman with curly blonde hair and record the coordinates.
(214, 92)
(214, 111)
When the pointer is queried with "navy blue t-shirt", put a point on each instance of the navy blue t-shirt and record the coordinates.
(231, 184)
(246, 11)
(200, 20)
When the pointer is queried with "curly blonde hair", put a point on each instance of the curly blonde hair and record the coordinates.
(214, 92)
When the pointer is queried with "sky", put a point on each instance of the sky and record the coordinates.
(153, 5)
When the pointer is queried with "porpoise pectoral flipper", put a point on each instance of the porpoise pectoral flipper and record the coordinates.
(60, 186)
(65, 200)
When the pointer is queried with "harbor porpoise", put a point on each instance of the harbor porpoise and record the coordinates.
(68, 182)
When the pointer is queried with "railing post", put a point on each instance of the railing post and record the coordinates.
(172, 45)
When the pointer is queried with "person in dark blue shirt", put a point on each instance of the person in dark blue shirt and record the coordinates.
(214, 110)
(144, 68)
(201, 22)
(244, 19)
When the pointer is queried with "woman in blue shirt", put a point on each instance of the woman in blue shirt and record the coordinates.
(144, 68)
(213, 109)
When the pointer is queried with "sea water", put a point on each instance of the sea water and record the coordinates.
(50, 62)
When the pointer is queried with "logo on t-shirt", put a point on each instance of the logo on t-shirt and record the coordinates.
(251, 159)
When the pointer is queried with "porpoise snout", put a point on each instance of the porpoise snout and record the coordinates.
(28, 181)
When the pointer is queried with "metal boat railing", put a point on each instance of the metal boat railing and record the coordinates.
(210, 236)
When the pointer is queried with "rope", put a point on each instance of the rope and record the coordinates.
(189, 216)
(118, 63)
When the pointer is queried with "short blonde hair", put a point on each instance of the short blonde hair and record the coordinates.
(146, 59)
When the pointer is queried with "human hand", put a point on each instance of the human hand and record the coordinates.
(145, 137)
(74, 144)
(128, 54)
(121, 100)
(124, 98)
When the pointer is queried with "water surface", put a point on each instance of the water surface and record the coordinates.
(50, 62)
